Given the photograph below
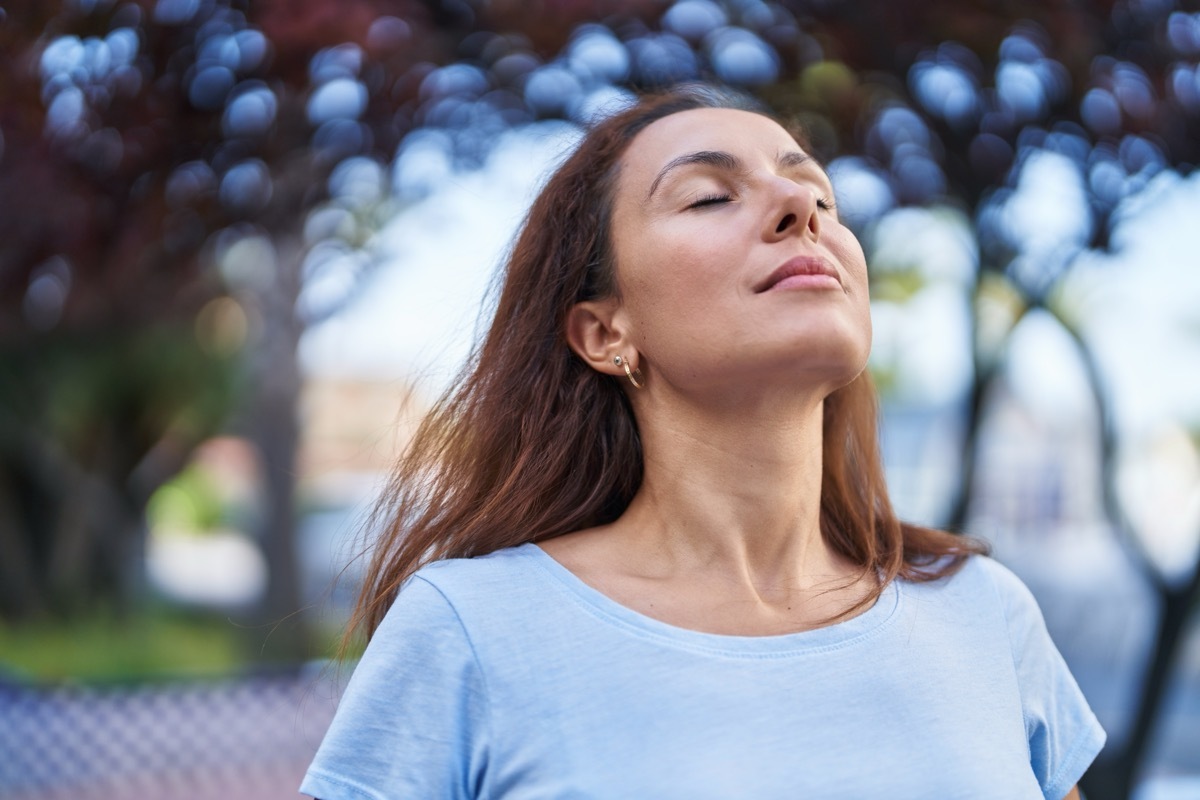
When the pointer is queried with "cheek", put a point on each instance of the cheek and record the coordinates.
(670, 315)
(658, 300)
(849, 255)
(675, 278)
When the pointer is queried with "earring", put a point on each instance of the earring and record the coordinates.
(620, 362)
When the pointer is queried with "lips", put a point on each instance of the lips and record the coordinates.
(800, 265)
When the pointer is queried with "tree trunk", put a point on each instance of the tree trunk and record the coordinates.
(1116, 775)
(960, 508)
(985, 367)
(21, 596)
(281, 632)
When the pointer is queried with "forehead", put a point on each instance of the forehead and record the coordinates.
(740, 133)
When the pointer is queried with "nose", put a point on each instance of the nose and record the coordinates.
(794, 212)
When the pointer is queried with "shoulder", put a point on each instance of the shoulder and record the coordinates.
(444, 612)
(986, 599)
(988, 590)
(462, 579)
(985, 578)
(1064, 735)
(999, 576)
(1013, 596)
(460, 591)
(981, 589)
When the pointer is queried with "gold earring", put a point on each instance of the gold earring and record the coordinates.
(620, 362)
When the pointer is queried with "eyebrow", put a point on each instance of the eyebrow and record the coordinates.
(789, 159)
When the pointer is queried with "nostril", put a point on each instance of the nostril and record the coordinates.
(785, 223)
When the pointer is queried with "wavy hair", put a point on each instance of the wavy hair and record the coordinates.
(532, 443)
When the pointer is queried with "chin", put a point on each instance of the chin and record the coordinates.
(832, 369)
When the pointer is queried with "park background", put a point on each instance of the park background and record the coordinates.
(244, 244)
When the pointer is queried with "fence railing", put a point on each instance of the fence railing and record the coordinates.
(249, 737)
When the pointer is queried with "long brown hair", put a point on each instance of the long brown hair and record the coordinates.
(532, 443)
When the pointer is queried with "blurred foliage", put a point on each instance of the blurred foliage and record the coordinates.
(157, 379)
(135, 131)
(158, 163)
(106, 647)
(156, 642)
(897, 285)
(187, 503)
(74, 411)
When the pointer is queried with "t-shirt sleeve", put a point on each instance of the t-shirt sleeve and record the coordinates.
(1064, 735)
(412, 721)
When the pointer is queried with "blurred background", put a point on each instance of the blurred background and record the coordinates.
(244, 244)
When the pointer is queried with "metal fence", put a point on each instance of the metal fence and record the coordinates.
(238, 738)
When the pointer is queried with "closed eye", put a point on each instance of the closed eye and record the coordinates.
(710, 200)
(823, 203)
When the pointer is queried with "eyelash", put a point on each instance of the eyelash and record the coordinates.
(823, 203)
(710, 200)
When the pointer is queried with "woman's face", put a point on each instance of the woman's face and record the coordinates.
(731, 262)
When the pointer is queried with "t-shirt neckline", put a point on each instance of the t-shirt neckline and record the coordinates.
(854, 631)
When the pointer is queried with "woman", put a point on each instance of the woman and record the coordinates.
(645, 549)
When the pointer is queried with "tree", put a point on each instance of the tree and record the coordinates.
(159, 163)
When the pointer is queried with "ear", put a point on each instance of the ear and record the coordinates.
(596, 332)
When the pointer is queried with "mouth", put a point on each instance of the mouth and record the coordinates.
(806, 271)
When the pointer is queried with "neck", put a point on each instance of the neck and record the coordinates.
(736, 495)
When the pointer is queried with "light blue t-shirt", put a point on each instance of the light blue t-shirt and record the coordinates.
(506, 676)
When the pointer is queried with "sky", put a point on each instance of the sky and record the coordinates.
(419, 313)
